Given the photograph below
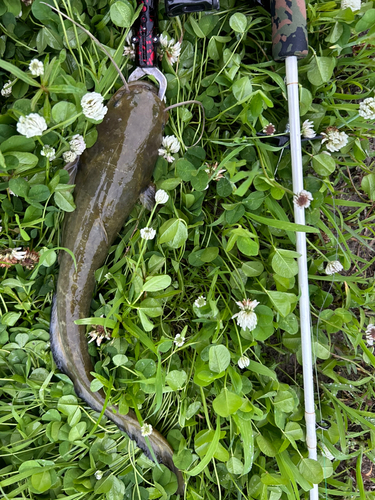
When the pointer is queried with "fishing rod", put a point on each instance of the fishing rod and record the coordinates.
(289, 43)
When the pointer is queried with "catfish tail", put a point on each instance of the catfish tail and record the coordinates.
(127, 423)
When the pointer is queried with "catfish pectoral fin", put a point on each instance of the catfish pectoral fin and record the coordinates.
(72, 169)
(147, 196)
(56, 350)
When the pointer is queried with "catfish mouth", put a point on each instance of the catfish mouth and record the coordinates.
(136, 85)
(145, 85)
(140, 84)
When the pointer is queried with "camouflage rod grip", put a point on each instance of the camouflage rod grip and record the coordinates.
(289, 34)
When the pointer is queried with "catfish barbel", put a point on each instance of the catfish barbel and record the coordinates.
(111, 176)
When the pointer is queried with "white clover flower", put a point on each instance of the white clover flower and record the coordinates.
(129, 48)
(31, 125)
(179, 340)
(243, 362)
(336, 139)
(200, 301)
(36, 67)
(303, 199)
(170, 145)
(98, 474)
(246, 318)
(92, 106)
(161, 197)
(163, 41)
(11, 192)
(148, 233)
(7, 89)
(69, 156)
(326, 453)
(352, 4)
(146, 430)
(170, 48)
(367, 108)
(308, 129)
(18, 254)
(370, 334)
(333, 267)
(269, 129)
(77, 144)
(129, 51)
(48, 152)
(108, 276)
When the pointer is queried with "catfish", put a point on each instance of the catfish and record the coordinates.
(110, 178)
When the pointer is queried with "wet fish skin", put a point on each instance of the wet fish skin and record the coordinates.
(110, 178)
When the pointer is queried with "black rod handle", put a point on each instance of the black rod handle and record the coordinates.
(146, 38)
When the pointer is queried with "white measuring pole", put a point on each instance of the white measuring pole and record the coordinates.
(304, 303)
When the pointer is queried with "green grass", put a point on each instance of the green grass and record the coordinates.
(236, 433)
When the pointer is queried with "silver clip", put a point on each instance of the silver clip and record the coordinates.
(156, 73)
